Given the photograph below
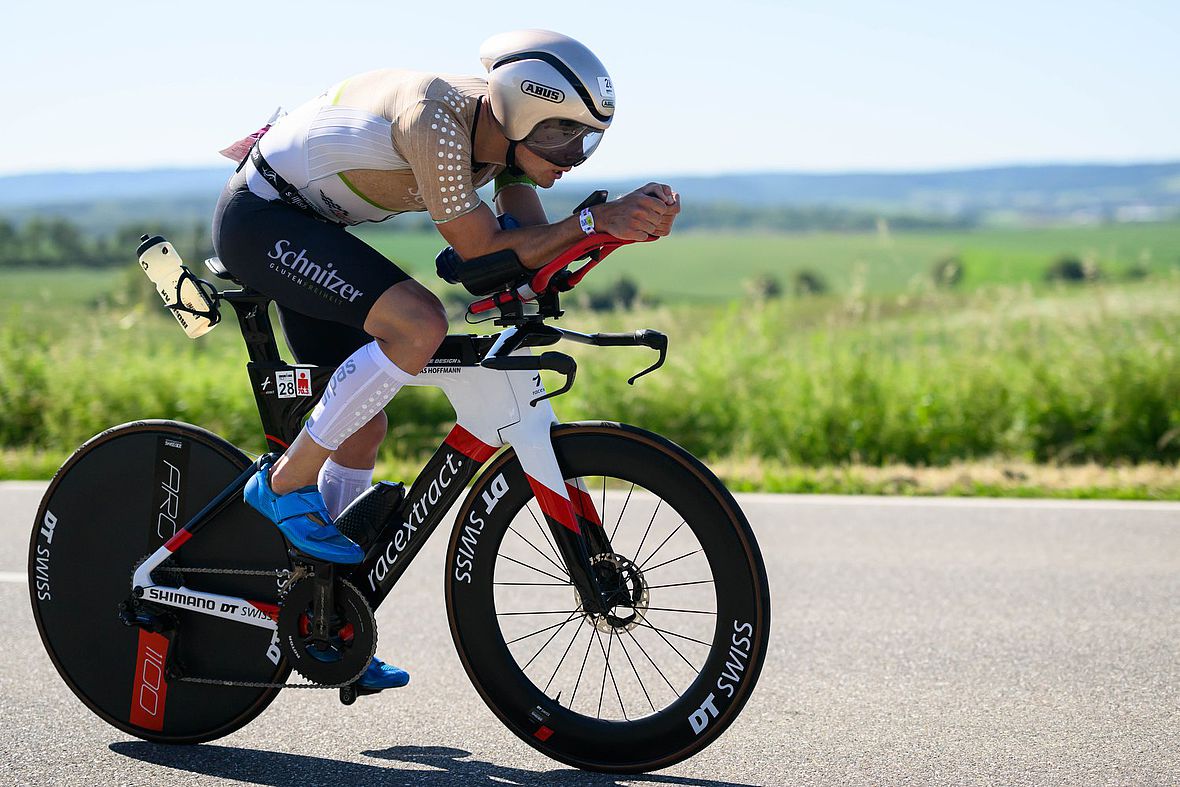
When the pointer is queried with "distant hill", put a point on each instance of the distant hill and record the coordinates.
(1050, 192)
(50, 188)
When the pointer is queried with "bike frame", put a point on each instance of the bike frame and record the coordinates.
(494, 407)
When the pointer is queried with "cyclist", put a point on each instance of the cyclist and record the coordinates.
(379, 144)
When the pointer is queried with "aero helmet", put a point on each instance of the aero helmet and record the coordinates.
(549, 92)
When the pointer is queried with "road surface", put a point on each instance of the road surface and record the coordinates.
(914, 641)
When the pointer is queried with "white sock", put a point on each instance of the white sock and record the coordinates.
(341, 485)
(361, 386)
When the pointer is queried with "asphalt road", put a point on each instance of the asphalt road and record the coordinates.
(914, 642)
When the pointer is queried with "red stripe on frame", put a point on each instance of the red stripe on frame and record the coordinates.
(583, 505)
(554, 505)
(469, 445)
(178, 540)
(274, 439)
(149, 690)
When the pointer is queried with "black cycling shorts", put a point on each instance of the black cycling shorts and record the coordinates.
(323, 279)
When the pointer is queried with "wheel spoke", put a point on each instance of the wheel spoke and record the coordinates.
(543, 584)
(685, 611)
(643, 650)
(533, 568)
(673, 634)
(577, 683)
(661, 546)
(561, 661)
(638, 679)
(650, 522)
(552, 636)
(544, 532)
(673, 560)
(674, 584)
(621, 511)
(605, 667)
(602, 511)
(558, 566)
(541, 631)
(660, 632)
(536, 612)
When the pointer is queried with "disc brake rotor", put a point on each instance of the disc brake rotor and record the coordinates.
(628, 596)
(352, 639)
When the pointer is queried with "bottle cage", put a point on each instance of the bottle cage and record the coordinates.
(207, 289)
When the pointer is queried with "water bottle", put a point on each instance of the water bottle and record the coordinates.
(177, 286)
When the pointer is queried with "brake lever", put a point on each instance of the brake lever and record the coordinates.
(656, 341)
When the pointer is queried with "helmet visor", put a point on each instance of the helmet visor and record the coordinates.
(565, 143)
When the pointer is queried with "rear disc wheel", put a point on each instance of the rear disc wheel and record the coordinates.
(116, 500)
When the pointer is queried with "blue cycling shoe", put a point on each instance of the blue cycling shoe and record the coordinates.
(380, 676)
(303, 518)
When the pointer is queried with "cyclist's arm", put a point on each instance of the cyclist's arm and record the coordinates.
(644, 212)
(518, 198)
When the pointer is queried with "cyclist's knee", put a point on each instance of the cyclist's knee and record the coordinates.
(409, 314)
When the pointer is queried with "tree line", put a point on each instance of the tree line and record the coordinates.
(57, 242)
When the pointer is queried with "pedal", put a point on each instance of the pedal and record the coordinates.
(366, 516)
(349, 693)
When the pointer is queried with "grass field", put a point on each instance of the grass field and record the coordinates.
(713, 267)
(885, 385)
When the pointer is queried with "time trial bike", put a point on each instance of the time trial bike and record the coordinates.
(605, 593)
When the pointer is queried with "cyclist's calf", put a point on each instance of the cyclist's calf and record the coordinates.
(360, 449)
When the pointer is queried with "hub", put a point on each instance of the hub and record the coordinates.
(624, 593)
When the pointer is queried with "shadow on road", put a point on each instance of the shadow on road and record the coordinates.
(448, 767)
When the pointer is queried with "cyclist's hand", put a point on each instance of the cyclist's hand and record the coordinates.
(638, 215)
(671, 199)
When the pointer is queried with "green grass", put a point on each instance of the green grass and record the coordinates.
(713, 267)
(908, 376)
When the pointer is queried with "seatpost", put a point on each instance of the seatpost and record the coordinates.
(254, 322)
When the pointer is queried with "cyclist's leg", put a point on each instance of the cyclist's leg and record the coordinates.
(408, 323)
(349, 470)
(319, 270)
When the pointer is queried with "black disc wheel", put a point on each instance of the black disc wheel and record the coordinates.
(666, 663)
(114, 502)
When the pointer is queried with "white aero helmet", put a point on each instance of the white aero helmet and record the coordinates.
(549, 92)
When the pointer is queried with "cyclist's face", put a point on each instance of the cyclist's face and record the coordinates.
(543, 173)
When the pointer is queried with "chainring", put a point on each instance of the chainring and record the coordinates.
(353, 634)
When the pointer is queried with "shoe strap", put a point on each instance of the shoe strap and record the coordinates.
(299, 503)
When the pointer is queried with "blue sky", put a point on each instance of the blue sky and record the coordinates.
(703, 87)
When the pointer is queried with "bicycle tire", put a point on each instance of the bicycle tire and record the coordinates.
(113, 502)
(481, 567)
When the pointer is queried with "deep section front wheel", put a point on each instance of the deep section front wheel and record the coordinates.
(115, 501)
(667, 667)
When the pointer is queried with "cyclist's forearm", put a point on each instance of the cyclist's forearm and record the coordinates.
(537, 245)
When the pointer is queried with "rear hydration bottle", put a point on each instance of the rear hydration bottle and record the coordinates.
(183, 293)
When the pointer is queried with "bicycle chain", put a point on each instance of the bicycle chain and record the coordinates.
(261, 685)
(248, 684)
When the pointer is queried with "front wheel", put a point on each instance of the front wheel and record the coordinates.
(668, 668)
